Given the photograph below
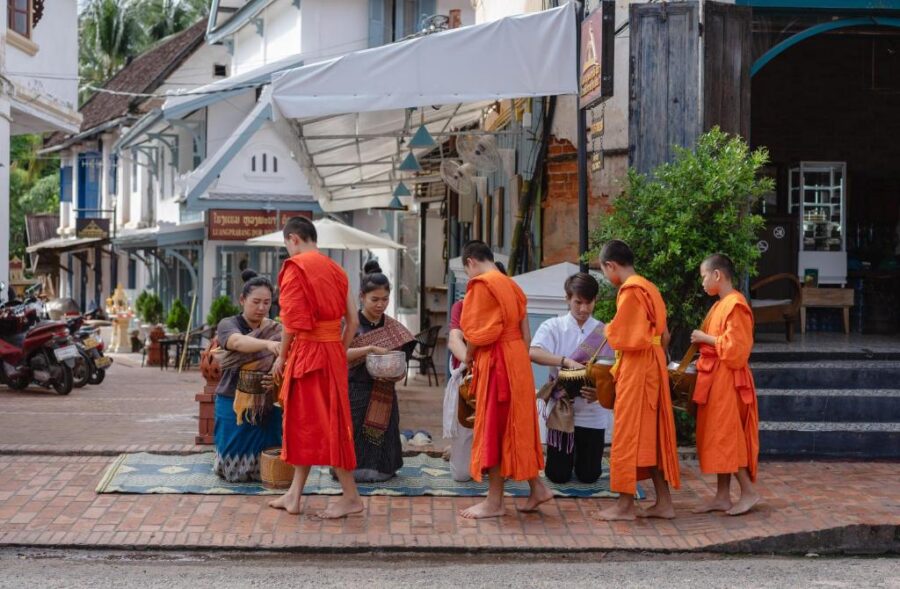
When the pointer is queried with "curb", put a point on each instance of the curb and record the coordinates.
(853, 540)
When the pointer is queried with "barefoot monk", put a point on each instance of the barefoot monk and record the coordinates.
(643, 444)
(507, 441)
(318, 430)
(727, 414)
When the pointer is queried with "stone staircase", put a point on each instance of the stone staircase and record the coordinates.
(828, 404)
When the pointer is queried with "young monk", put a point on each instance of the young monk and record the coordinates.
(318, 429)
(507, 439)
(727, 415)
(643, 444)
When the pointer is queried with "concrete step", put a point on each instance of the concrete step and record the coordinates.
(827, 374)
(829, 405)
(815, 356)
(829, 440)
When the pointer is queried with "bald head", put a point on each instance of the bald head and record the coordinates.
(722, 263)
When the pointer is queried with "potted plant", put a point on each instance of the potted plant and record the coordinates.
(221, 308)
(178, 318)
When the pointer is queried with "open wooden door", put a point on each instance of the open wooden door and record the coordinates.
(726, 67)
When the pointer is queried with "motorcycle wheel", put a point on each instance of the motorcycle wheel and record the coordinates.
(82, 371)
(97, 376)
(63, 386)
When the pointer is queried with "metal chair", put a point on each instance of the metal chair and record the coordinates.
(426, 342)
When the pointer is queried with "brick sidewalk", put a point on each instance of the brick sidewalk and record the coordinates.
(826, 507)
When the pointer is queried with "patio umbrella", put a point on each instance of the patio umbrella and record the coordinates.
(333, 236)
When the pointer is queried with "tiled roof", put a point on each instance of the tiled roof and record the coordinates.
(143, 75)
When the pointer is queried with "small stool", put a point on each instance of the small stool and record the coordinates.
(834, 298)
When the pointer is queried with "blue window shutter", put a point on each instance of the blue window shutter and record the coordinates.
(378, 15)
(65, 184)
(113, 173)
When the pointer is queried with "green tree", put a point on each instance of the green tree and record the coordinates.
(698, 204)
(167, 17)
(33, 188)
(110, 33)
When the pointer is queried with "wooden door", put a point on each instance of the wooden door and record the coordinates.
(664, 97)
(726, 68)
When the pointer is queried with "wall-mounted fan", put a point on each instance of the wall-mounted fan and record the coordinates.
(480, 151)
(458, 176)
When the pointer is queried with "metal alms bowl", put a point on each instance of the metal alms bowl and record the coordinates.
(390, 366)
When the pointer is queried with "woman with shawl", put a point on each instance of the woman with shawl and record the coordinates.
(373, 403)
(247, 422)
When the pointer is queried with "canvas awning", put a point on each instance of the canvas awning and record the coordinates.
(65, 244)
(333, 235)
(350, 114)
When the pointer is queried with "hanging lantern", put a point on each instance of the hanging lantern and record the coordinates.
(410, 164)
(422, 138)
(401, 190)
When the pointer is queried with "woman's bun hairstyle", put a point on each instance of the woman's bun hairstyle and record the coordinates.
(248, 274)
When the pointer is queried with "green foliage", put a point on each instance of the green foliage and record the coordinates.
(149, 307)
(33, 188)
(699, 204)
(221, 308)
(179, 317)
(112, 31)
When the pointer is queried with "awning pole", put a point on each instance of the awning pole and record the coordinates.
(582, 157)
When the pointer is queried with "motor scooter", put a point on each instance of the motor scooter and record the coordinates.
(41, 353)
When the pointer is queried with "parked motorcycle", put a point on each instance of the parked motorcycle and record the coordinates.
(93, 363)
(35, 352)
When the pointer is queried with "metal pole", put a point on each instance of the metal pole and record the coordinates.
(582, 156)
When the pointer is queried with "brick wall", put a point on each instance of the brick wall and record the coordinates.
(560, 204)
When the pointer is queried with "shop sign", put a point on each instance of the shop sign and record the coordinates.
(92, 228)
(596, 161)
(238, 225)
(597, 42)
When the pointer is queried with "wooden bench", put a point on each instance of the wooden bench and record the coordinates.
(840, 298)
(784, 311)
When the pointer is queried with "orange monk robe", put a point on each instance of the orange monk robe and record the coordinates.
(502, 380)
(644, 426)
(315, 396)
(727, 414)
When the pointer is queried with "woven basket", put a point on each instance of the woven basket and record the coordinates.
(275, 473)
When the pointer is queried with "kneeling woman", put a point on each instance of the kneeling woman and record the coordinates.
(373, 404)
(247, 422)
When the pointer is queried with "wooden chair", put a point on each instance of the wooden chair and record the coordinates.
(424, 353)
(777, 310)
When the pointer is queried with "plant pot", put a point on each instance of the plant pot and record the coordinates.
(154, 350)
(212, 373)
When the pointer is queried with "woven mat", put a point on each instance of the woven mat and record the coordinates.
(145, 473)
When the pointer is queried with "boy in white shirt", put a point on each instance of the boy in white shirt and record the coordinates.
(576, 334)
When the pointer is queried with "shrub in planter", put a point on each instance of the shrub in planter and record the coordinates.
(698, 204)
(221, 308)
(178, 317)
(150, 310)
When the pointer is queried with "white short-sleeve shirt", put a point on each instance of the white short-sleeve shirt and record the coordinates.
(562, 336)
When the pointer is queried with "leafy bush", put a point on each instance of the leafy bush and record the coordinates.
(699, 204)
(149, 307)
(221, 308)
(178, 317)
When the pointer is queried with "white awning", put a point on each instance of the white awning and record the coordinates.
(351, 114)
(526, 55)
(332, 235)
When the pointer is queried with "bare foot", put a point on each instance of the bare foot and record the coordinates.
(658, 511)
(538, 497)
(289, 503)
(342, 508)
(716, 504)
(616, 513)
(483, 510)
(747, 502)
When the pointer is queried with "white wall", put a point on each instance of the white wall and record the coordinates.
(238, 178)
(491, 10)
(57, 38)
(224, 116)
(282, 32)
(333, 27)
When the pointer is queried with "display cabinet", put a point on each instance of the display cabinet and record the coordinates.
(818, 198)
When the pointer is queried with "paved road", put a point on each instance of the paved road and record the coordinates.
(169, 571)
